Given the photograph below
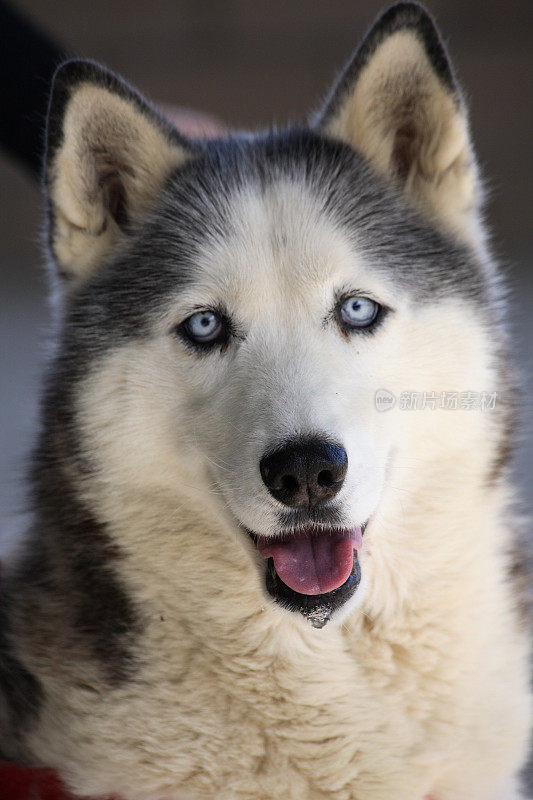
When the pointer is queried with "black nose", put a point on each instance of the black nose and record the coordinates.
(304, 472)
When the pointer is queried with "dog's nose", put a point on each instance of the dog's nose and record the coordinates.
(304, 472)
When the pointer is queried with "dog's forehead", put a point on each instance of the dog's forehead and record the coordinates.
(311, 210)
(280, 246)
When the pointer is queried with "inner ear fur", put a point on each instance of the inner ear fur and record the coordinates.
(398, 104)
(109, 154)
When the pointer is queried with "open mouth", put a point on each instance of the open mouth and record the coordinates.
(312, 570)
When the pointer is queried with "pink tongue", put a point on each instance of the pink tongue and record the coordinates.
(313, 564)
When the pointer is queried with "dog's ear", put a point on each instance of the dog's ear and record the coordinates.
(108, 156)
(397, 103)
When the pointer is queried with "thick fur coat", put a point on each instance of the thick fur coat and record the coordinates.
(147, 648)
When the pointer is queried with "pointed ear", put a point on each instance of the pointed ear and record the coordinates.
(108, 156)
(398, 104)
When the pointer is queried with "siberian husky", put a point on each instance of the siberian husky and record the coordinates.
(271, 554)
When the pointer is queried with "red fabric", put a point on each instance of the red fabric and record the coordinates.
(26, 783)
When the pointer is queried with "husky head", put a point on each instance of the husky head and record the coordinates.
(236, 314)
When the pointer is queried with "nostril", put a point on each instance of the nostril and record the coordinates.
(326, 479)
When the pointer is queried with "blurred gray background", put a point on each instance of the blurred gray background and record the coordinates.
(253, 62)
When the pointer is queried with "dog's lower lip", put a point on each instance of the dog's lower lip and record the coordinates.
(318, 608)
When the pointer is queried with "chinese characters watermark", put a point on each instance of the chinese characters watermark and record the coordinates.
(448, 401)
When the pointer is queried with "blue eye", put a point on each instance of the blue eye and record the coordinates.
(204, 326)
(359, 312)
